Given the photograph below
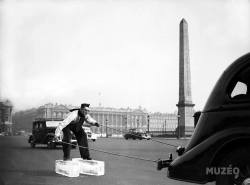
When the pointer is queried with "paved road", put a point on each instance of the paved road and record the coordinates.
(22, 165)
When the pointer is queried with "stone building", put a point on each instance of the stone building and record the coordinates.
(114, 121)
(50, 110)
(118, 121)
(6, 116)
(163, 123)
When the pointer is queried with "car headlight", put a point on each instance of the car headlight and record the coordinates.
(180, 150)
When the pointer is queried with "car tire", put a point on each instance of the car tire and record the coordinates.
(32, 144)
(51, 145)
(93, 140)
(236, 160)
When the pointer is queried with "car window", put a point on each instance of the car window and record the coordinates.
(40, 125)
(240, 85)
(43, 125)
(36, 125)
(239, 89)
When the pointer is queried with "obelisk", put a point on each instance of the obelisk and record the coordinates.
(185, 105)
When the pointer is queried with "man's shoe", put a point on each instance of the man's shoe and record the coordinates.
(66, 159)
(87, 158)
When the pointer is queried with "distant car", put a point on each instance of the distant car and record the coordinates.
(137, 134)
(146, 136)
(90, 135)
(43, 132)
(5, 134)
(20, 133)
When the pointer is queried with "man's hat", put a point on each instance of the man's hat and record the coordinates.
(85, 106)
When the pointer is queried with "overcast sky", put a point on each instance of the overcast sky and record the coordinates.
(120, 53)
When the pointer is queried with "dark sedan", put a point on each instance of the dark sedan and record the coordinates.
(136, 134)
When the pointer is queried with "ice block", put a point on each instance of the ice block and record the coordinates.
(90, 167)
(67, 168)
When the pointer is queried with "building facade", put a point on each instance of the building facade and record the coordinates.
(6, 116)
(57, 111)
(113, 121)
(163, 123)
(117, 121)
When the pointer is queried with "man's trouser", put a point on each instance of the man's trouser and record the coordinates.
(81, 138)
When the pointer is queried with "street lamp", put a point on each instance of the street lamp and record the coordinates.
(106, 125)
(101, 131)
(179, 129)
(165, 126)
(125, 122)
(148, 122)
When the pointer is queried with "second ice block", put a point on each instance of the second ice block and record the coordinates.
(90, 167)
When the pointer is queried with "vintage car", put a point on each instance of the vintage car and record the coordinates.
(134, 133)
(43, 132)
(219, 149)
(90, 135)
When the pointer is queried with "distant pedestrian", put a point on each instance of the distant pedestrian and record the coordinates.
(74, 122)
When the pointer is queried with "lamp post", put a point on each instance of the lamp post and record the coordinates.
(165, 126)
(125, 122)
(101, 131)
(179, 129)
(106, 125)
(148, 122)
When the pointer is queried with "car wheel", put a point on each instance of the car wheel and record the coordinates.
(237, 165)
(51, 145)
(93, 140)
(32, 144)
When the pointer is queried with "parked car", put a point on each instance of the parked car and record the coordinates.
(5, 133)
(134, 133)
(220, 145)
(90, 135)
(146, 136)
(43, 132)
(20, 133)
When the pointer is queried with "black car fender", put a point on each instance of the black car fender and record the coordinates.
(207, 153)
(234, 142)
(30, 138)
